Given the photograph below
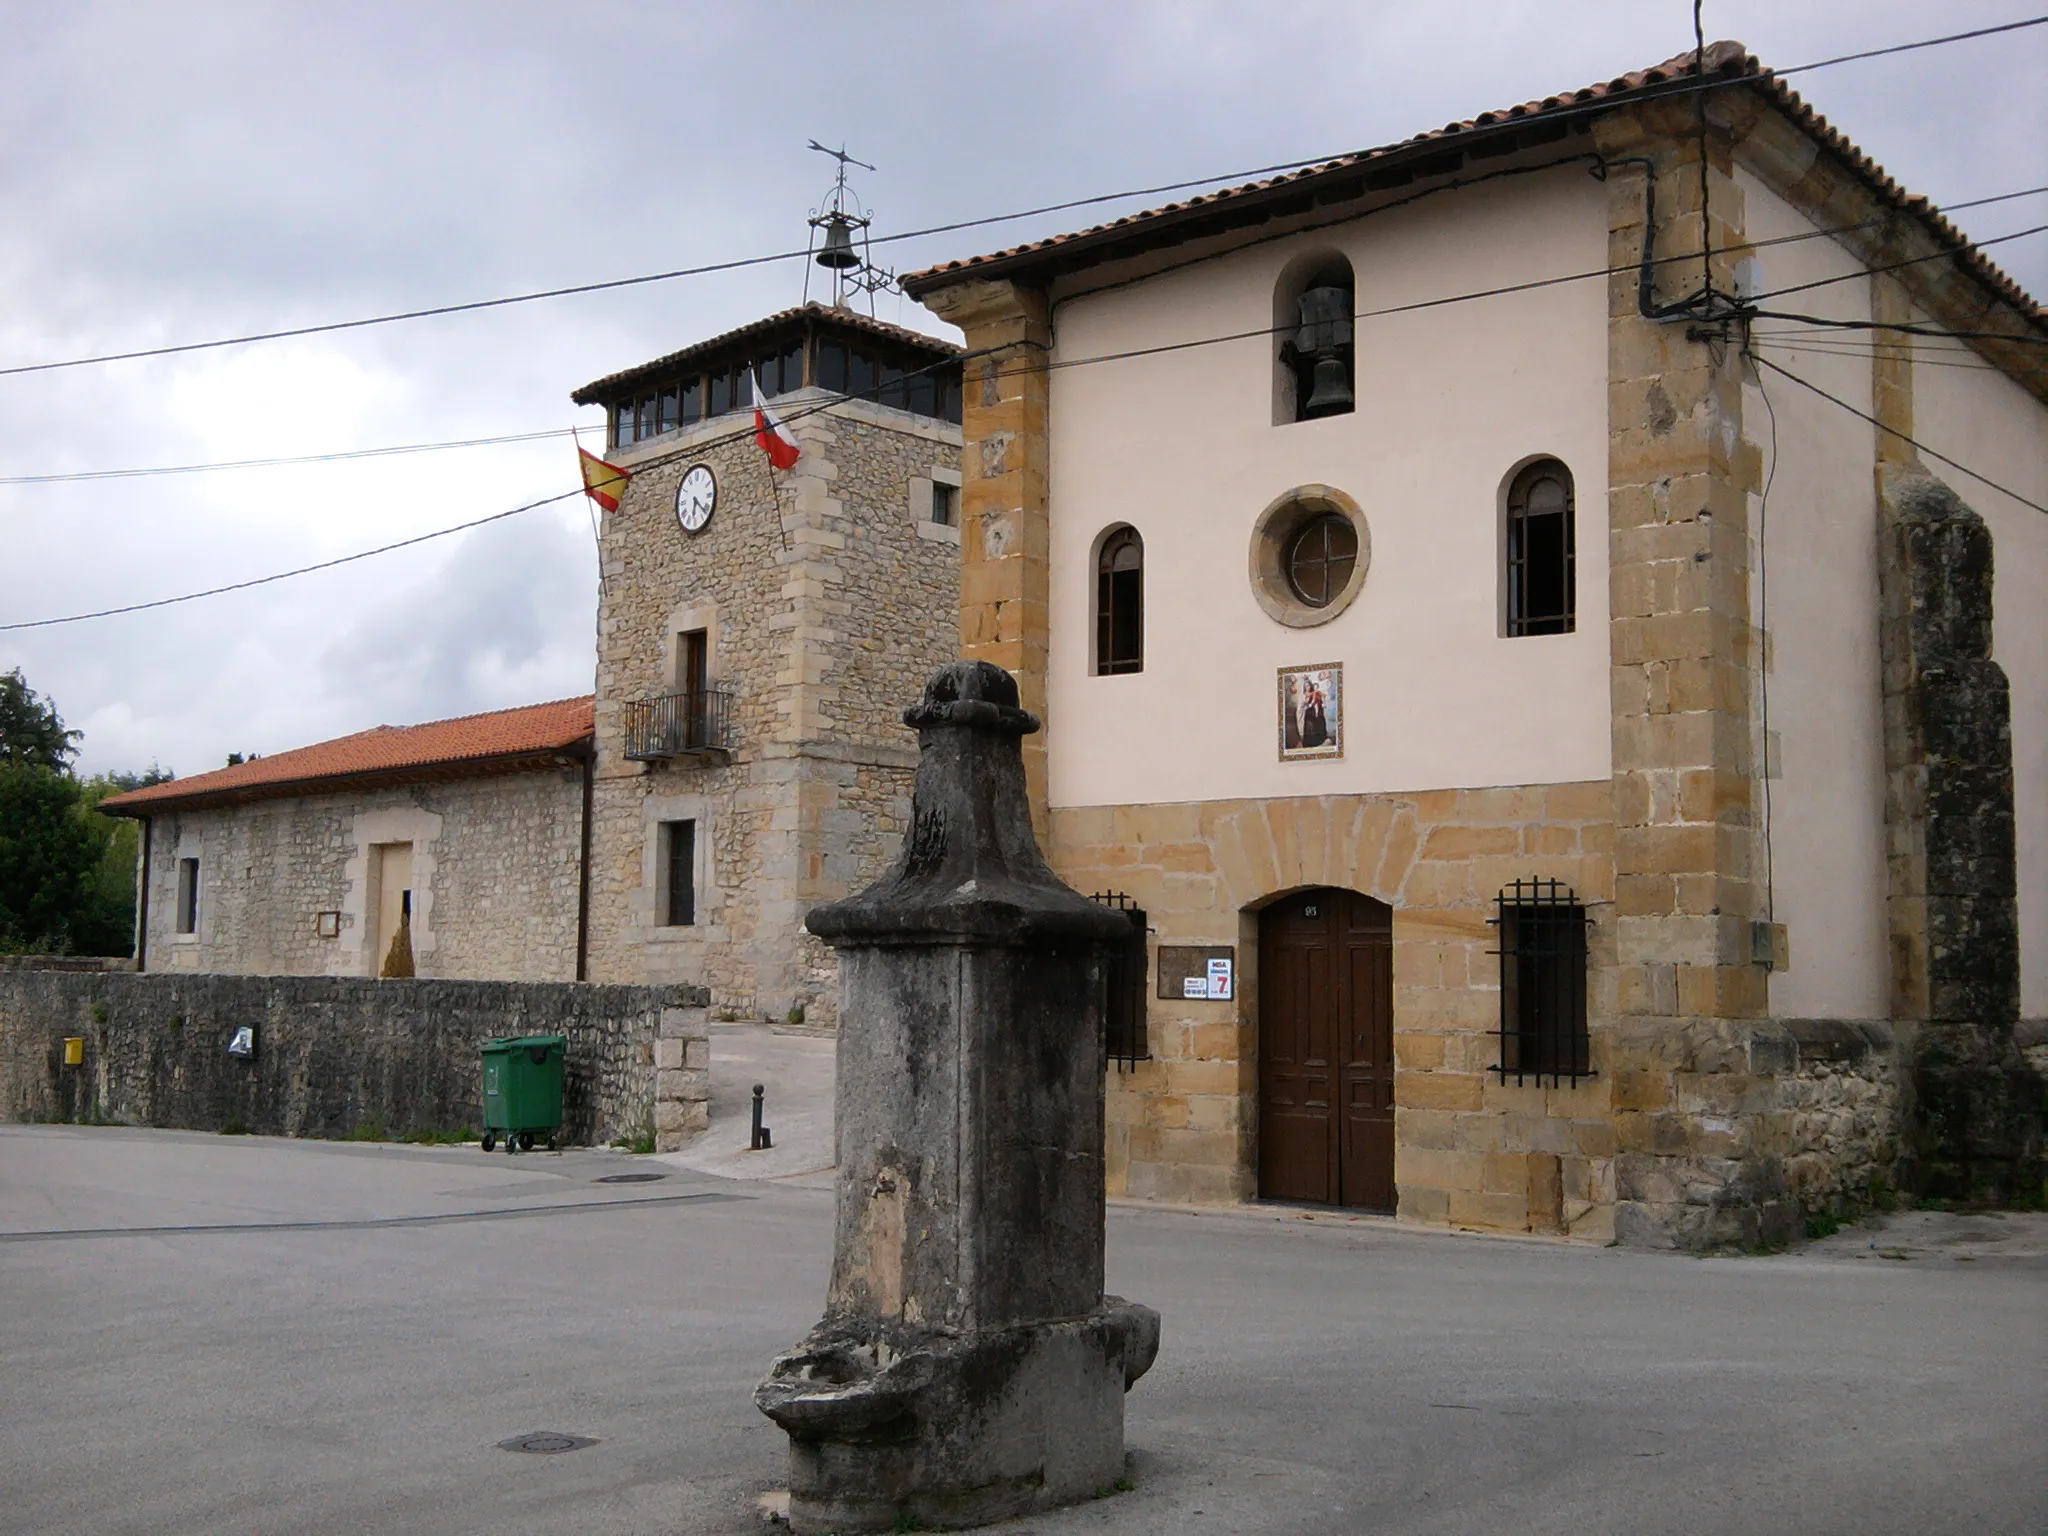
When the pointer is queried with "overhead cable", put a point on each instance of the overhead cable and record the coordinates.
(1912, 443)
(1676, 87)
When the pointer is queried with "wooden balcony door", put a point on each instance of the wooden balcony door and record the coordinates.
(693, 674)
(1326, 1050)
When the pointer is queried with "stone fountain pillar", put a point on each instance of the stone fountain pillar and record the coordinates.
(968, 1367)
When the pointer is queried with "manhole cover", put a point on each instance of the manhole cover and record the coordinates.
(630, 1178)
(546, 1443)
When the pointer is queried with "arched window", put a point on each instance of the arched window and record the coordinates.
(1120, 603)
(1313, 305)
(1540, 551)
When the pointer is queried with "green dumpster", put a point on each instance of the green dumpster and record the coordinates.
(523, 1090)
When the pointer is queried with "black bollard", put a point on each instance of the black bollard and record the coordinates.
(762, 1135)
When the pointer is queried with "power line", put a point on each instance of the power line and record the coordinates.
(1918, 447)
(518, 437)
(302, 458)
(304, 570)
(1911, 261)
(1675, 87)
(1878, 53)
(691, 450)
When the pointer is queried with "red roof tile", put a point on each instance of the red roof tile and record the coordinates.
(496, 741)
(1729, 60)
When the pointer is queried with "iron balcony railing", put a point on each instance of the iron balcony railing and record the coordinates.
(679, 725)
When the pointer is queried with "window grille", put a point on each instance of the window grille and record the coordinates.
(1120, 603)
(1541, 551)
(1542, 983)
(1123, 1010)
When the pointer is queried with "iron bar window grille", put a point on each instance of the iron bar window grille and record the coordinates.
(679, 724)
(1123, 1007)
(1542, 983)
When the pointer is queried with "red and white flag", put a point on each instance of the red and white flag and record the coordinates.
(769, 431)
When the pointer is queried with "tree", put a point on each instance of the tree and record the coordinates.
(67, 872)
(30, 732)
(47, 856)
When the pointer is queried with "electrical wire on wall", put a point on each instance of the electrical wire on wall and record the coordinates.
(1768, 641)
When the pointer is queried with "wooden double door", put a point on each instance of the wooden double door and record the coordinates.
(1326, 1050)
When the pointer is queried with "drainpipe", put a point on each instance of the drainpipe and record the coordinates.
(142, 899)
(583, 870)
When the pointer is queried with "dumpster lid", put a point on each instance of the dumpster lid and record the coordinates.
(516, 1042)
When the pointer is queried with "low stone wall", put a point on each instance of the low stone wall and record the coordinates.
(1843, 1097)
(336, 1055)
(88, 963)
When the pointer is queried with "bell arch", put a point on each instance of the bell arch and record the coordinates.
(1314, 355)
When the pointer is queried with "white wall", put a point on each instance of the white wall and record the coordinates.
(1450, 401)
(1979, 417)
(1818, 574)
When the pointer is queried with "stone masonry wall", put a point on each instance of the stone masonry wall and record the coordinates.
(1843, 1095)
(336, 1055)
(826, 597)
(1470, 1150)
(495, 864)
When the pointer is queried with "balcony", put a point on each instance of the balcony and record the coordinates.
(697, 724)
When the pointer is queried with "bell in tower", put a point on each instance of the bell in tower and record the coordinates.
(1324, 341)
(837, 252)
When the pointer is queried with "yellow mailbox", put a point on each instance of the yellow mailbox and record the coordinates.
(74, 1050)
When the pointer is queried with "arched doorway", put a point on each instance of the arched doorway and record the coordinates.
(1326, 1049)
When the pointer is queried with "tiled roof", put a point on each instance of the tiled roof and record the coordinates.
(600, 390)
(440, 749)
(1729, 60)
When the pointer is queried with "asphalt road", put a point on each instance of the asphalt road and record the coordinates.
(214, 1334)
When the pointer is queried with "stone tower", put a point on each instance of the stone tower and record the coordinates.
(756, 630)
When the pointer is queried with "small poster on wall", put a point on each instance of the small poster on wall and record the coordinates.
(1312, 711)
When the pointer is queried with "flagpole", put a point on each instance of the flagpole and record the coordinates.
(589, 501)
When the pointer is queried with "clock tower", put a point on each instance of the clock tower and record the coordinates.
(759, 631)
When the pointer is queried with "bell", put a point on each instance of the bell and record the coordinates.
(1325, 320)
(837, 252)
(1331, 391)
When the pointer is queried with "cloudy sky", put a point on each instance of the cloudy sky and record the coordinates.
(174, 173)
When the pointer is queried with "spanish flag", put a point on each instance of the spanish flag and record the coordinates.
(603, 483)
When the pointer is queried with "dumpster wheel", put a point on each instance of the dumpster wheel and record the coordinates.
(490, 1140)
(526, 1141)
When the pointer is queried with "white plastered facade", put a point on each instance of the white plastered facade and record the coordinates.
(1450, 402)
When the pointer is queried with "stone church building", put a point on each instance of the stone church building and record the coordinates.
(1554, 720)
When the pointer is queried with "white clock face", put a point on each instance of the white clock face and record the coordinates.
(695, 498)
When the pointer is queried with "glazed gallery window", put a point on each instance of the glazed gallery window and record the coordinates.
(679, 885)
(1120, 603)
(188, 895)
(1539, 551)
(1542, 983)
(1320, 558)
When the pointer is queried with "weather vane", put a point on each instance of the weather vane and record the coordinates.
(842, 214)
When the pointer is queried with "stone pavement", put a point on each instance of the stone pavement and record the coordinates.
(207, 1333)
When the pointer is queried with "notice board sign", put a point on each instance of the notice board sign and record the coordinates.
(1207, 972)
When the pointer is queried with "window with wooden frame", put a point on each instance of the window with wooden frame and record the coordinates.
(679, 887)
(1320, 559)
(188, 895)
(1542, 927)
(1540, 551)
(1120, 603)
(945, 504)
